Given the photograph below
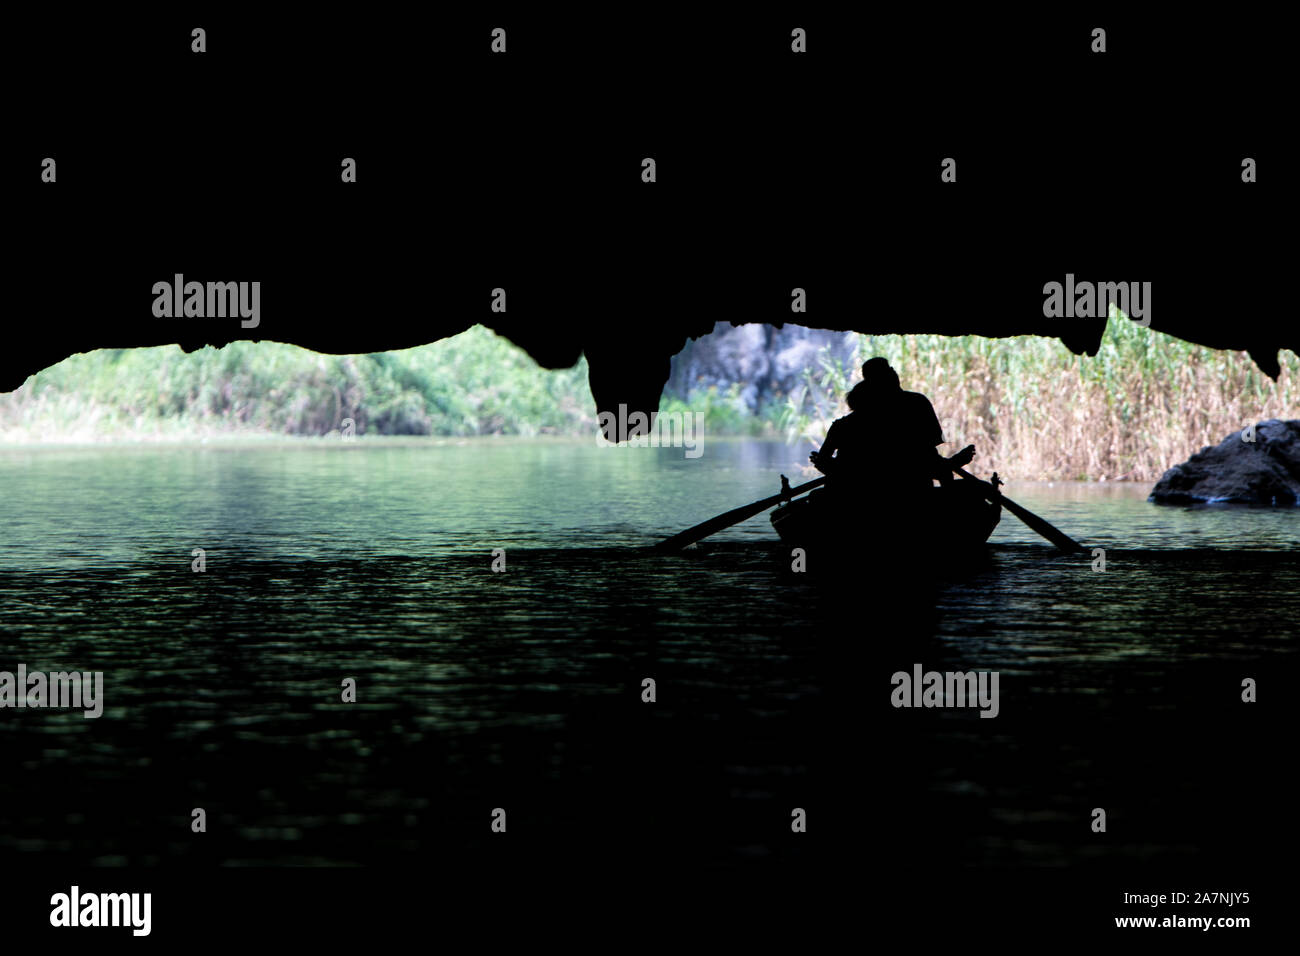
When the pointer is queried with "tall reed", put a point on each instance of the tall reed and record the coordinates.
(1036, 411)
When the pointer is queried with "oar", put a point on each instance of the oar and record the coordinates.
(737, 515)
(734, 516)
(1048, 531)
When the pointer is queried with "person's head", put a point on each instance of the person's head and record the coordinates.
(857, 397)
(878, 377)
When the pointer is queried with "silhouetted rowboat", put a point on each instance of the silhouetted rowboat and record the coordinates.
(958, 521)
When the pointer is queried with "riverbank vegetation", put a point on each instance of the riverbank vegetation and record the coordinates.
(1032, 408)
(1036, 411)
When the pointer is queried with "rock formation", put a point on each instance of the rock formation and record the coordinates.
(1259, 466)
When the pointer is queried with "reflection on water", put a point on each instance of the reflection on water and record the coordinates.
(477, 689)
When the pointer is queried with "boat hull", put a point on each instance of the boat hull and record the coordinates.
(953, 526)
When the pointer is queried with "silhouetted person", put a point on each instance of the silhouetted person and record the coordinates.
(886, 445)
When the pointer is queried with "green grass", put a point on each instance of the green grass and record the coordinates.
(475, 383)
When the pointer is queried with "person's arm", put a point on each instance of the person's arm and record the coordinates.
(939, 467)
(823, 460)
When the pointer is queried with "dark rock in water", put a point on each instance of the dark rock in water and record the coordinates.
(1238, 471)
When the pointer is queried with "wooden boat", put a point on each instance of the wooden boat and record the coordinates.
(957, 522)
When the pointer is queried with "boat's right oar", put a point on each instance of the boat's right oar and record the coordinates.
(1047, 530)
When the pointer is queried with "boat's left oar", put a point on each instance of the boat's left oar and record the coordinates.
(734, 516)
